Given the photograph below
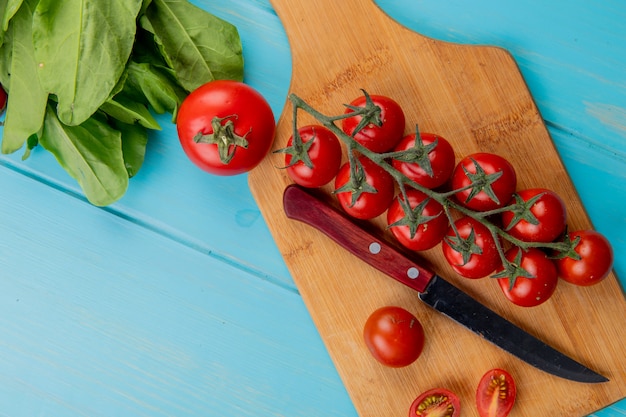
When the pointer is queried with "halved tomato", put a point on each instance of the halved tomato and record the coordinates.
(495, 394)
(437, 402)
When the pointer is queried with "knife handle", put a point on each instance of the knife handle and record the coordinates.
(301, 205)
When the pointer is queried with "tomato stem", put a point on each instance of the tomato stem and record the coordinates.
(224, 137)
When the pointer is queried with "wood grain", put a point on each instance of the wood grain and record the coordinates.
(475, 97)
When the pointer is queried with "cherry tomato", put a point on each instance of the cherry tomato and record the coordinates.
(547, 210)
(428, 227)
(3, 98)
(495, 394)
(491, 177)
(476, 243)
(596, 260)
(437, 402)
(324, 155)
(376, 138)
(433, 166)
(371, 191)
(394, 336)
(225, 127)
(539, 283)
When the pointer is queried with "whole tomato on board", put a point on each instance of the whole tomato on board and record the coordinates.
(496, 392)
(364, 191)
(534, 280)
(381, 128)
(472, 253)
(487, 181)
(436, 402)
(428, 159)
(318, 160)
(541, 216)
(225, 127)
(419, 224)
(595, 263)
(394, 336)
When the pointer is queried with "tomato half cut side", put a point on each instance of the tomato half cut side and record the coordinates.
(437, 402)
(495, 395)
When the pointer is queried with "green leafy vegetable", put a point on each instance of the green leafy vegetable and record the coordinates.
(8, 8)
(90, 152)
(85, 76)
(82, 47)
(179, 31)
(25, 114)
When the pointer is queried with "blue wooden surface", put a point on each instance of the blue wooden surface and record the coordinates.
(175, 301)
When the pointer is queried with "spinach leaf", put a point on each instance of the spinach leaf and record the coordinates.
(8, 8)
(199, 46)
(129, 111)
(91, 153)
(134, 141)
(155, 85)
(82, 47)
(27, 99)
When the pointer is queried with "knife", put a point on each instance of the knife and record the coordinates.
(300, 204)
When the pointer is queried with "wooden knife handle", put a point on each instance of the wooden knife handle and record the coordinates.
(301, 205)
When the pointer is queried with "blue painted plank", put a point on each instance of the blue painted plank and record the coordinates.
(102, 317)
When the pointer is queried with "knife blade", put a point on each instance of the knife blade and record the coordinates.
(300, 204)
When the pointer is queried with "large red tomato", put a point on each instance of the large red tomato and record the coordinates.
(225, 127)
(486, 181)
(383, 130)
(433, 159)
(595, 263)
(394, 336)
(542, 217)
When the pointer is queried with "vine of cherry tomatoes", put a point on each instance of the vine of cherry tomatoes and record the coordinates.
(485, 224)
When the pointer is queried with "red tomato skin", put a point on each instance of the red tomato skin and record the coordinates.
(394, 336)
(226, 98)
(596, 262)
(549, 211)
(441, 160)
(428, 234)
(479, 265)
(3, 98)
(436, 402)
(503, 187)
(496, 392)
(531, 292)
(325, 154)
(368, 205)
(375, 138)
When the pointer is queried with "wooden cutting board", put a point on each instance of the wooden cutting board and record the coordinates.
(476, 98)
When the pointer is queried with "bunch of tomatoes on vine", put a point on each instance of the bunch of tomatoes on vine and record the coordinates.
(486, 226)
